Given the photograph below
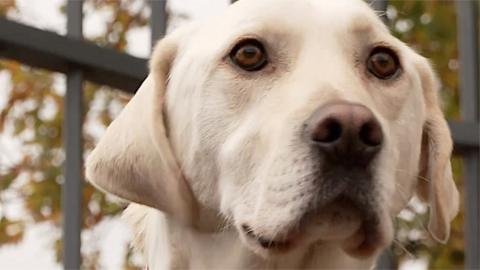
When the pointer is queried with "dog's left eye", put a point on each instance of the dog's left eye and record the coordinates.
(383, 63)
(249, 55)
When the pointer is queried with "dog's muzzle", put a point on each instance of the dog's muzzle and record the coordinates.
(344, 138)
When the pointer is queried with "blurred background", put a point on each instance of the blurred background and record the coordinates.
(32, 150)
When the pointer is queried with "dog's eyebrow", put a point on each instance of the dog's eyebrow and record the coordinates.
(366, 29)
(266, 32)
(361, 23)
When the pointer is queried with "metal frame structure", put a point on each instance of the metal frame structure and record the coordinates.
(468, 38)
(73, 143)
(81, 60)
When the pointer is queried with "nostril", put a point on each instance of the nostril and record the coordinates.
(328, 131)
(371, 134)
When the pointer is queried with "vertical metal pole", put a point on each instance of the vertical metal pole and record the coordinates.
(467, 17)
(158, 19)
(381, 7)
(386, 261)
(72, 130)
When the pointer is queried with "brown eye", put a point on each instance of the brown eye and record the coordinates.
(249, 55)
(383, 63)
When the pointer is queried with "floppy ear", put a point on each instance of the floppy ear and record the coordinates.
(134, 159)
(435, 184)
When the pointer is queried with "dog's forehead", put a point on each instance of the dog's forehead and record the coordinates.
(308, 18)
(355, 14)
(289, 7)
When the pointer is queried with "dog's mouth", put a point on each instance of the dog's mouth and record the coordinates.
(360, 233)
(266, 243)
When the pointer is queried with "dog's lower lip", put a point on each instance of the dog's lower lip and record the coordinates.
(264, 242)
(277, 245)
(365, 241)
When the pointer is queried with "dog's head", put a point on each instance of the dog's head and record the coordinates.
(297, 121)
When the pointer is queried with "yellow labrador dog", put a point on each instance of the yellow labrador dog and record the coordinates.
(281, 134)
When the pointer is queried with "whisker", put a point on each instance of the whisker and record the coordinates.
(225, 223)
(403, 248)
(402, 193)
(418, 176)
(423, 178)
(380, 13)
(415, 219)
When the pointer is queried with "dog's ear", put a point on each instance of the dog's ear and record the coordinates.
(435, 183)
(134, 159)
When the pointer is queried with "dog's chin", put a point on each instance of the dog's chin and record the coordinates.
(360, 235)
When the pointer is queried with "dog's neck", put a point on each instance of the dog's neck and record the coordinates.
(167, 244)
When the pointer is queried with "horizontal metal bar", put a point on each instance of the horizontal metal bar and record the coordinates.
(48, 50)
(105, 66)
(465, 135)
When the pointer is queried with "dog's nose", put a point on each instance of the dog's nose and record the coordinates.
(345, 132)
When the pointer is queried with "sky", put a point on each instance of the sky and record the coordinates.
(111, 236)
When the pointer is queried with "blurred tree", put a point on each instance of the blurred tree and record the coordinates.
(34, 115)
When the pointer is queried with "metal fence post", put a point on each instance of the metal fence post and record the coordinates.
(467, 17)
(158, 19)
(72, 130)
(381, 7)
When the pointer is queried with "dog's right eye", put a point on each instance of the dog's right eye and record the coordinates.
(249, 55)
(383, 63)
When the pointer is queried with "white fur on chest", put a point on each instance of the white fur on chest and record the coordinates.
(169, 245)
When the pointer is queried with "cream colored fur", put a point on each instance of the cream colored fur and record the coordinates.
(204, 147)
